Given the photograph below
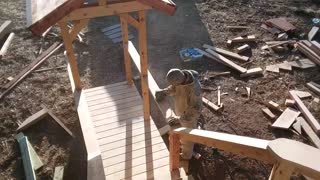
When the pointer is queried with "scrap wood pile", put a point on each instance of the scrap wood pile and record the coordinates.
(296, 116)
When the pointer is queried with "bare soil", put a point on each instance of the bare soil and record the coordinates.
(195, 23)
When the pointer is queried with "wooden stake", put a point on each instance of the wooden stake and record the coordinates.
(144, 63)
(72, 64)
(219, 96)
(125, 39)
(6, 45)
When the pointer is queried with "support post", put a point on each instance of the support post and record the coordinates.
(144, 63)
(174, 151)
(72, 64)
(125, 39)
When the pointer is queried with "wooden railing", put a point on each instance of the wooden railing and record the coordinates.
(286, 155)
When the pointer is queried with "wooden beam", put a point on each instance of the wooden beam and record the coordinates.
(125, 40)
(144, 63)
(246, 146)
(77, 27)
(313, 88)
(110, 10)
(166, 6)
(132, 21)
(310, 133)
(58, 173)
(286, 119)
(60, 123)
(72, 63)
(306, 113)
(174, 151)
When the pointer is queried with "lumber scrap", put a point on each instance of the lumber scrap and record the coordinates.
(267, 112)
(210, 104)
(252, 72)
(297, 125)
(302, 63)
(272, 30)
(311, 85)
(315, 46)
(310, 133)
(305, 112)
(58, 173)
(303, 94)
(243, 48)
(219, 96)
(313, 32)
(33, 119)
(289, 102)
(26, 71)
(308, 52)
(273, 105)
(238, 27)
(227, 61)
(286, 119)
(281, 23)
(273, 68)
(6, 45)
(226, 53)
(250, 38)
(5, 29)
(26, 157)
(60, 123)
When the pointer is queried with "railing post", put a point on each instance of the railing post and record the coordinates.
(174, 151)
(125, 39)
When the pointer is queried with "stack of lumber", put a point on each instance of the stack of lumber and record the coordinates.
(311, 49)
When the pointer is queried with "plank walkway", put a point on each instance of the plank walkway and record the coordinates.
(131, 148)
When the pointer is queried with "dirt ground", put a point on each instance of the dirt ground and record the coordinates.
(101, 62)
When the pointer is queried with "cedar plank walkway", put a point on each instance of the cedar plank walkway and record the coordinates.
(131, 148)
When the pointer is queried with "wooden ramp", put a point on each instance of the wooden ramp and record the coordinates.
(131, 148)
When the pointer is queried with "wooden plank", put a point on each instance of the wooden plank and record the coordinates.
(139, 169)
(110, 86)
(289, 102)
(144, 64)
(60, 123)
(99, 11)
(306, 113)
(109, 95)
(116, 103)
(281, 23)
(166, 6)
(5, 29)
(309, 53)
(34, 63)
(142, 152)
(58, 173)
(116, 150)
(109, 90)
(286, 118)
(120, 120)
(26, 157)
(133, 123)
(302, 63)
(25, 73)
(250, 38)
(33, 119)
(116, 113)
(227, 61)
(303, 94)
(273, 68)
(109, 145)
(312, 33)
(72, 63)
(125, 132)
(246, 146)
(226, 53)
(6, 45)
(174, 151)
(302, 158)
(158, 174)
(131, 163)
(274, 106)
(269, 113)
(310, 133)
(125, 37)
(313, 88)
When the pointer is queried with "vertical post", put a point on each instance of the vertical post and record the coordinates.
(174, 148)
(144, 63)
(281, 172)
(72, 64)
(125, 39)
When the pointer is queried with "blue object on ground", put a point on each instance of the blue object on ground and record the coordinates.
(191, 54)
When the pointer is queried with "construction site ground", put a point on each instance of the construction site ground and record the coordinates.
(101, 62)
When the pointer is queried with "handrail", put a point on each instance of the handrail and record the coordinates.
(246, 146)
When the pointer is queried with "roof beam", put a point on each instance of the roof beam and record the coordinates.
(99, 11)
